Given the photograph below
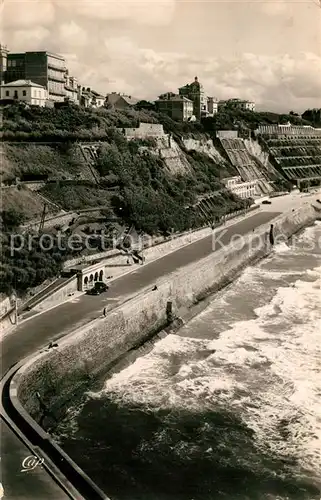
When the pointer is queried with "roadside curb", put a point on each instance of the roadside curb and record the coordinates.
(42, 445)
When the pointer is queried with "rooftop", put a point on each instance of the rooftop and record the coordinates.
(114, 97)
(52, 54)
(23, 83)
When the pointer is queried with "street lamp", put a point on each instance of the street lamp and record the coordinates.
(15, 298)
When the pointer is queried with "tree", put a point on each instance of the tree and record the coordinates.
(150, 106)
(12, 219)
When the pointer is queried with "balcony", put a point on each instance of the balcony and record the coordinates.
(51, 65)
(57, 92)
(59, 79)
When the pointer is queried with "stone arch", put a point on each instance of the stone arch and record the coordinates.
(91, 277)
(101, 275)
(86, 280)
(96, 276)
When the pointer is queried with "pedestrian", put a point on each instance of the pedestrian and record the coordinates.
(105, 311)
(271, 235)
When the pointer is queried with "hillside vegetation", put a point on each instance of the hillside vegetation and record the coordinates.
(129, 179)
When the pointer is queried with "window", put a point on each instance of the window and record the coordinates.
(24, 92)
(7, 93)
(16, 94)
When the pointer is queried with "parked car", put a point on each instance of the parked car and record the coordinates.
(99, 287)
(266, 202)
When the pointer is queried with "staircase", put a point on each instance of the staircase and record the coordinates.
(90, 154)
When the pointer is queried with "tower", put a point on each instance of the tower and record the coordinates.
(3, 62)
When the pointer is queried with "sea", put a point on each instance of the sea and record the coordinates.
(227, 408)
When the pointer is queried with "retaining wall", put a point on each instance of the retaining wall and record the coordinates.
(59, 296)
(59, 373)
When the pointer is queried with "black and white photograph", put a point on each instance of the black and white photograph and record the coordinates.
(160, 265)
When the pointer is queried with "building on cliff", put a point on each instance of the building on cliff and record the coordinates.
(71, 88)
(178, 107)
(144, 130)
(89, 98)
(242, 189)
(24, 90)
(240, 104)
(201, 103)
(116, 100)
(44, 68)
(3, 62)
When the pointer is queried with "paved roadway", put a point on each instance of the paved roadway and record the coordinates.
(39, 330)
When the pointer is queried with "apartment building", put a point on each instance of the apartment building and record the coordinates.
(176, 106)
(3, 62)
(44, 68)
(26, 91)
(71, 88)
(240, 104)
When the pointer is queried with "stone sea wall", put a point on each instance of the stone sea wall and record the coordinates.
(59, 373)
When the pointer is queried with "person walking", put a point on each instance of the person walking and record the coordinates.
(271, 235)
(105, 311)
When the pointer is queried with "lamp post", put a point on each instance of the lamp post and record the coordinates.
(14, 297)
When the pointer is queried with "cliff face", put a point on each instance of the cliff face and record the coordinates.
(205, 146)
(174, 158)
(255, 149)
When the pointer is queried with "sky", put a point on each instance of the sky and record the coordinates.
(266, 51)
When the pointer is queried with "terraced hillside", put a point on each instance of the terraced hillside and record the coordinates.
(295, 152)
(247, 165)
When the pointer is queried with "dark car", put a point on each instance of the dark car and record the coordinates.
(93, 291)
(266, 202)
(100, 287)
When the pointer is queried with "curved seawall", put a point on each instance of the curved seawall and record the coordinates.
(59, 374)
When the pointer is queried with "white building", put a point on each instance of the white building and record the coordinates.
(89, 98)
(212, 106)
(25, 90)
(242, 189)
(240, 104)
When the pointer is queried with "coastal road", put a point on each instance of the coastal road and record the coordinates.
(39, 330)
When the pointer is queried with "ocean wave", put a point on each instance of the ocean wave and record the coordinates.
(246, 399)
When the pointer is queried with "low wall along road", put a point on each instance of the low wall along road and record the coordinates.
(58, 374)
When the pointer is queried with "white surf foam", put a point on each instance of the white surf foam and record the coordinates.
(267, 369)
(282, 248)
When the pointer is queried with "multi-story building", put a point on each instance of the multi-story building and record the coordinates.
(242, 189)
(195, 92)
(240, 104)
(176, 106)
(26, 91)
(44, 68)
(3, 62)
(212, 106)
(89, 98)
(71, 88)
